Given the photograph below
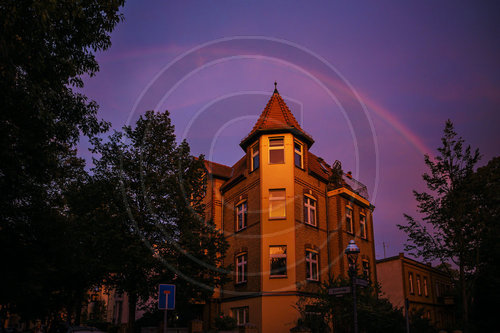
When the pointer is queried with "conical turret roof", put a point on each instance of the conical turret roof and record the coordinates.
(276, 118)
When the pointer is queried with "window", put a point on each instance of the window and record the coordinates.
(348, 220)
(366, 268)
(241, 315)
(241, 216)
(277, 150)
(277, 257)
(298, 155)
(309, 210)
(410, 283)
(362, 226)
(241, 268)
(312, 267)
(419, 289)
(277, 204)
(255, 157)
(426, 290)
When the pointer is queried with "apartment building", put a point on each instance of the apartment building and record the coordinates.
(427, 288)
(287, 219)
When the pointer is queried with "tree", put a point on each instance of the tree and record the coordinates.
(319, 310)
(484, 187)
(449, 230)
(45, 48)
(159, 190)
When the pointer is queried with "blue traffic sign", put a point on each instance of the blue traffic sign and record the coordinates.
(166, 297)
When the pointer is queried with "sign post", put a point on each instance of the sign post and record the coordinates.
(166, 301)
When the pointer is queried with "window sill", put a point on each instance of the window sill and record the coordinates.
(312, 225)
(278, 276)
(277, 218)
(240, 284)
(242, 229)
(312, 281)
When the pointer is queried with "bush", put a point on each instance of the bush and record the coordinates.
(224, 322)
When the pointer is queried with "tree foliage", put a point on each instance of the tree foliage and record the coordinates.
(450, 230)
(484, 187)
(319, 311)
(45, 48)
(159, 190)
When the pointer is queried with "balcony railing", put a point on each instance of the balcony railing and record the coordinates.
(356, 186)
(350, 183)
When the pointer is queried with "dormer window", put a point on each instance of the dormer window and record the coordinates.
(255, 157)
(298, 155)
(277, 150)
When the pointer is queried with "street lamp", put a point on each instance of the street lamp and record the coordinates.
(352, 252)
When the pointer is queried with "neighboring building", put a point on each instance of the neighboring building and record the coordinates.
(108, 305)
(426, 288)
(286, 221)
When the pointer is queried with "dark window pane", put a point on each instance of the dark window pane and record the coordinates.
(256, 162)
(276, 156)
(278, 266)
(276, 142)
(298, 160)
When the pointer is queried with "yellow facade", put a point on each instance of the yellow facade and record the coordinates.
(269, 301)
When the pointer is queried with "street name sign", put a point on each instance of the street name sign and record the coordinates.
(361, 282)
(339, 291)
(166, 297)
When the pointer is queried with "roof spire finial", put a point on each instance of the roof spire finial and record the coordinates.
(276, 87)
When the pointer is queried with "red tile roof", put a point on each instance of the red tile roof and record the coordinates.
(318, 166)
(276, 117)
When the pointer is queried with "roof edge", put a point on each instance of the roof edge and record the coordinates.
(296, 132)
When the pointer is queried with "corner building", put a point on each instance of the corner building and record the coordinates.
(286, 222)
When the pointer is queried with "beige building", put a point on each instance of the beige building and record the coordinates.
(286, 220)
(426, 288)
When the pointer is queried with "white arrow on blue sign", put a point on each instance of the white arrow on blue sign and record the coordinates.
(166, 297)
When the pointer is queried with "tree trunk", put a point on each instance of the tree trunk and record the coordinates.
(132, 304)
(463, 289)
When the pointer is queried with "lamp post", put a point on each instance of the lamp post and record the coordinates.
(352, 252)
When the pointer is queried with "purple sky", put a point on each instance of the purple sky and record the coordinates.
(412, 65)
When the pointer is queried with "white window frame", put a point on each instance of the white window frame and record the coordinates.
(298, 152)
(282, 147)
(278, 255)
(310, 204)
(312, 263)
(362, 226)
(271, 199)
(254, 152)
(240, 314)
(242, 262)
(350, 224)
(243, 207)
